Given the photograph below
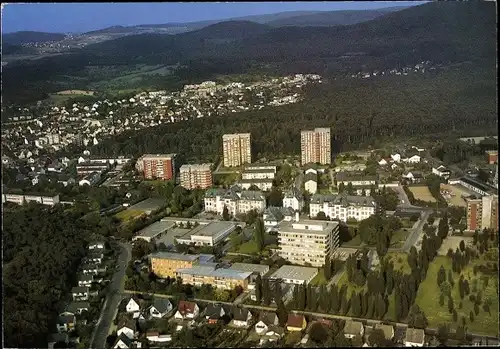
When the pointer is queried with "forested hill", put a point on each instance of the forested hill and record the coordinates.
(359, 112)
(24, 37)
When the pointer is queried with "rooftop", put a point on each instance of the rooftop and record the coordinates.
(258, 170)
(415, 335)
(155, 229)
(251, 268)
(175, 256)
(156, 156)
(308, 226)
(294, 272)
(218, 273)
(195, 167)
(211, 229)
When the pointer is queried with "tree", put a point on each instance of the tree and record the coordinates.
(318, 333)
(417, 318)
(441, 277)
(321, 216)
(471, 316)
(225, 214)
(258, 288)
(462, 246)
(281, 312)
(259, 234)
(377, 338)
(443, 333)
(327, 269)
(450, 305)
(450, 278)
(455, 315)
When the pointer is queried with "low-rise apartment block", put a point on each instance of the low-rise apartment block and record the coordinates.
(236, 200)
(196, 176)
(342, 206)
(262, 184)
(482, 212)
(88, 167)
(255, 172)
(157, 166)
(164, 264)
(357, 180)
(308, 241)
(49, 200)
(226, 279)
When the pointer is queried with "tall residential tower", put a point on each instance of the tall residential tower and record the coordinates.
(237, 149)
(316, 146)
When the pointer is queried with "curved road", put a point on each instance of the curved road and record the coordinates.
(113, 299)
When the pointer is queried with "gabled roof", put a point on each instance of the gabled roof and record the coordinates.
(66, 319)
(387, 329)
(353, 327)
(295, 320)
(186, 307)
(127, 341)
(162, 304)
(268, 318)
(213, 311)
(74, 306)
(127, 322)
(415, 335)
(240, 314)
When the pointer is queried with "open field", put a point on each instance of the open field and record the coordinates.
(453, 242)
(400, 261)
(128, 214)
(458, 191)
(75, 92)
(398, 238)
(429, 293)
(422, 193)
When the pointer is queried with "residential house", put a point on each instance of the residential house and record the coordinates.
(156, 337)
(383, 162)
(265, 321)
(396, 157)
(99, 245)
(132, 305)
(311, 183)
(160, 308)
(90, 268)
(387, 329)
(77, 307)
(415, 337)
(415, 159)
(294, 200)
(80, 293)
(66, 322)
(94, 256)
(296, 323)
(123, 342)
(359, 182)
(85, 279)
(213, 313)
(441, 171)
(414, 177)
(241, 317)
(272, 217)
(58, 338)
(127, 328)
(187, 310)
(353, 329)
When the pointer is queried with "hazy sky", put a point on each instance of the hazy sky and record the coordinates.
(81, 17)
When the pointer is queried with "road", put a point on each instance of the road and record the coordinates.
(416, 233)
(320, 315)
(113, 299)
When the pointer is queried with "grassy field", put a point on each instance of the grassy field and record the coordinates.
(128, 215)
(249, 247)
(350, 287)
(319, 279)
(422, 193)
(398, 238)
(400, 261)
(429, 292)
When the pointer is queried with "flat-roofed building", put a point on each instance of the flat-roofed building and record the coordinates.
(236, 149)
(49, 200)
(482, 212)
(255, 269)
(219, 278)
(291, 274)
(342, 206)
(359, 181)
(154, 230)
(196, 176)
(316, 146)
(261, 183)
(86, 168)
(208, 234)
(258, 173)
(157, 166)
(308, 241)
(164, 264)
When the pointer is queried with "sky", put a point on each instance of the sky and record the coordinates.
(83, 17)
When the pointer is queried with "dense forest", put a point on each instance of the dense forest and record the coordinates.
(440, 32)
(42, 248)
(359, 112)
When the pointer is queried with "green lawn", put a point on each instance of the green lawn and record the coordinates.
(249, 247)
(398, 238)
(319, 279)
(350, 287)
(355, 242)
(127, 215)
(429, 292)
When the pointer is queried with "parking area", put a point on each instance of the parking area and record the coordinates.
(454, 194)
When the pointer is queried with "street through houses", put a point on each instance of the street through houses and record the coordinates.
(113, 299)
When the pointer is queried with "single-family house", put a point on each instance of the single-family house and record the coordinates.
(396, 157)
(293, 199)
(160, 308)
(241, 317)
(415, 337)
(441, 171)
(414, 177)
(85, 279)
(187, 310)
(311, 183)
(123, 342)
(132, 305)
(94, 256)
(55, 338)
(66, 322)
(265, 321)
(213, 313)
(387, 329)
(353, 329)
(80, 293)
(272, 216)
(99, 245)
(156, 337)
(383, 162)
(415, 159)
(127, 327)
(90, 268)
(77, 307)
(296, 322)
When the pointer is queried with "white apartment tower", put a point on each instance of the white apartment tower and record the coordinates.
(316, 146)
(236, 149)
(308, 241)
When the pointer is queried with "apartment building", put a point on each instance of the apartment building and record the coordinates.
(85, 168)
(294, 200)
(22, 198)
(236, 149)
(482, 212)
(164, 264)
(342, 206)
(226, 279)
(308, 241)
(235, 199)
(359, 181)
(259, 173)
(315, 146)
(157, 166)
(196, 176)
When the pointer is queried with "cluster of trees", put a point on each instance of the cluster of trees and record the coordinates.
(433, 182)
(459, 152)
(378, 230)
(42, 249)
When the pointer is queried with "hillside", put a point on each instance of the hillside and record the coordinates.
(24, 37)
(332, 18)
